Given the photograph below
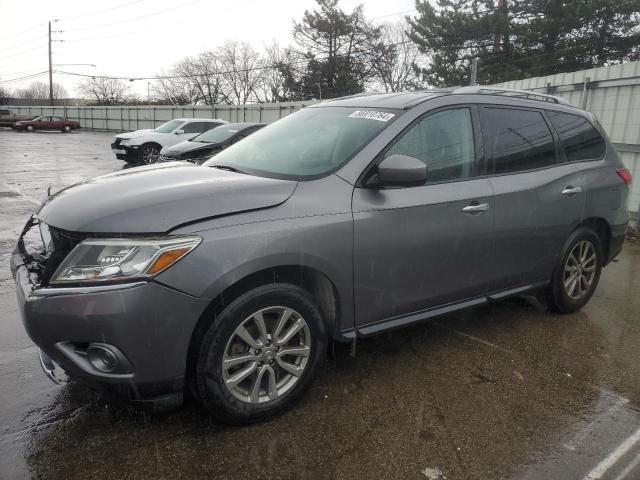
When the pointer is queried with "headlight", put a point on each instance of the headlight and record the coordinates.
(116, 259)
(126, 142)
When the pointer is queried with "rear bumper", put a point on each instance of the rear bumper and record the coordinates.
(150, 324)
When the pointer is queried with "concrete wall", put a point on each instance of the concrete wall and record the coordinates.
(613, 94)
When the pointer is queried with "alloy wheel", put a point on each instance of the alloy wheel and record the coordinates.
(580, 270)
(150, 155)
(266, 355)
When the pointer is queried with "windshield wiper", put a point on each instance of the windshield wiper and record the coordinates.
(230, 169)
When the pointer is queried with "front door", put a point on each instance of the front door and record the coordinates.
(423, 246)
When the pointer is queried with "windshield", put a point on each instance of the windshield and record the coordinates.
(217, 135)
(310, 142)
(168, 127)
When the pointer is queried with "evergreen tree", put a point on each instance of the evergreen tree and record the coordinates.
(340, 49)
(516, 39)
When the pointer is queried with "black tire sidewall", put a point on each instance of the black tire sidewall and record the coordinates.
(209, 383)
(561, 302)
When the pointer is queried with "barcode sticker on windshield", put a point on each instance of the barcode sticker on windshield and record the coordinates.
(371, 115)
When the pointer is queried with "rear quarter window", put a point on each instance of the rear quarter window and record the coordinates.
(579, 138)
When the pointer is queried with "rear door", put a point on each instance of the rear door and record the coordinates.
(423, 246)
(539, 198)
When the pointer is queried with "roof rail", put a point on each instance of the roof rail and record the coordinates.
(510, 92)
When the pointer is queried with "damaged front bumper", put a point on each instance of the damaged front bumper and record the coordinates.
(145, 325)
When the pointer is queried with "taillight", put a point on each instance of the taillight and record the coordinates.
(625, 175)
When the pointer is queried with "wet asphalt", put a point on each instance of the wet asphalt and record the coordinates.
(503, 391)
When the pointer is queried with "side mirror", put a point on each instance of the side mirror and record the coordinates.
(402, 170)
(179, 132)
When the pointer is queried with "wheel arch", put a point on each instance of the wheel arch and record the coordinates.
(308, 278)
(602, 228)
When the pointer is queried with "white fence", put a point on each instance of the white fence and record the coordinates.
(613, 94)
(125, 118)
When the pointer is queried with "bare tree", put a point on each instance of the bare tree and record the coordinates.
(203, 73)
(397, 68)
(175, 90)
(4, 92)
(243, 69)
(40, 90)
(280, 68)
(105, 90)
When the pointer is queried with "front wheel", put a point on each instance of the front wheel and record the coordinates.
(30, 128)
(66, 129)
(149, 154)
(576, 276)
(259, 354)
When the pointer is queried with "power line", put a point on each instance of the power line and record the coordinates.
(26, 77)
(225, 72)
(22, 44)
(92, 27)
(97, 12)
(24, 31)
(23, 51)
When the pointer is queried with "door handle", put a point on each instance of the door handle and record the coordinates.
(476, 208)
(570, 191)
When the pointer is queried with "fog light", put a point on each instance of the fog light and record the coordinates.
(102, 358)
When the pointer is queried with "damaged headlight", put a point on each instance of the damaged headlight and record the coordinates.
(97, 260)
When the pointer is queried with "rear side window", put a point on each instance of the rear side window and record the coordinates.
(196, 127)
(443, 141)
(579, 138)
(517, 140)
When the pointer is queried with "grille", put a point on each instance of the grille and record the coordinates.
(62, 242)
(44, 248)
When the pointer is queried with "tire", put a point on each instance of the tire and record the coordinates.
(277, 388)
(30, 128)
(66, 129)
(567, 295)
(149, 153)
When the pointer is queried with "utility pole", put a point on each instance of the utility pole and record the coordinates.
(50, 69)
(474, 72)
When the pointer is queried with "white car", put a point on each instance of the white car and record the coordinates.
(143, 146)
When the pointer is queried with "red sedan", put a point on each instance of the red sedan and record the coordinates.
(47, 122)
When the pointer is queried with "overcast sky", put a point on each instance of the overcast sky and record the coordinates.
(139, 38)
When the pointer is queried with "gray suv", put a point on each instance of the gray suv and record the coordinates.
(342, 220)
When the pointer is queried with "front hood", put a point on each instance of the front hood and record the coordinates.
(187, 147)
(137, 133)
(157, 198)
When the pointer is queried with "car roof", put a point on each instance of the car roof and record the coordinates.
(243, 125)
(217, 120)
(408, 100)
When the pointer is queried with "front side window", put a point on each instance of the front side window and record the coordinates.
(169, 127)
(517, 140)
(580, 139)
(443, 141)
(309, 143)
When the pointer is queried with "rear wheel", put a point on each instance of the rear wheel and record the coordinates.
(66, 129)
(578, 272)
(259, 354)
(149, 153)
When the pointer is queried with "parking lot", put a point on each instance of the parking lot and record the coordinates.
(503, 391)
